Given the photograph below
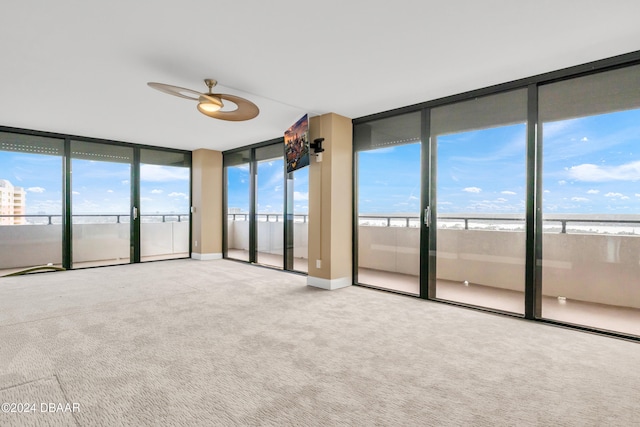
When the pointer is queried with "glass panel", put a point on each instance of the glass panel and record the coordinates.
(164, 205)
(238, 200)
(300, 185)
(591, 200)
(480, 190)
(270, 206)
(30, 201)
(101, 204)
(389, 203)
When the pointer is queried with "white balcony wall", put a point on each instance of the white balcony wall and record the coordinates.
(98, 242)
(600, 268)
(164, 238)
(23, 246)
(270, 235)
(300, 240)
(490, 258)
(394, 249)
(238, 235)
(586, 267)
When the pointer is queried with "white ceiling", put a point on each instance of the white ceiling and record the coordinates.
(81, 67)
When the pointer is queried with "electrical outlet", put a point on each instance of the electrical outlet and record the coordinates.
(318, 263)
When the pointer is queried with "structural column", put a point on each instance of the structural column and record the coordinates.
(206, 196)
(330, 203)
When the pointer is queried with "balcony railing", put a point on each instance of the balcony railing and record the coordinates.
(267, 217)
(564, 225)
(118, 218)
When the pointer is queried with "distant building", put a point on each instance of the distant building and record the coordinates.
(13, 201)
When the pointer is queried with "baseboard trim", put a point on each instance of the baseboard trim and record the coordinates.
(329, 284)
(205, 257)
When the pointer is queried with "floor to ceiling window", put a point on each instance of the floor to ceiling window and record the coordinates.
(31, 195)
(101, 204)
(238, 197)
(75, 203)
(388, 158)
(480, 148)
(269, 205)
(164, 204)
(266, 208)
(526, 198)
(298, 204)
(591, 200)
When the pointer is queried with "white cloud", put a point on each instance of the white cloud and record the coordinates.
(593, 173)
(175, 194)
(146, 199)
(297, 195)
(501, 200)
(156, 173)
(562, 182)
(472, 190)
(36, 190)
(125, 182)
(585, 139)
(547, 191)
(579, 199)
(75, 193)
(637, 195)
(617, 196)
(109, 191)
(593, 191)
(509, 193)
(156, 191)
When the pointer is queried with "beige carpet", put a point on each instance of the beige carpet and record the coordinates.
(223, 343)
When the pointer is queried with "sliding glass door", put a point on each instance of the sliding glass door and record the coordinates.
(164, 204)
(591, 200)
(31, 195)
(269, 203)
(388, 158)
(101, 208)
(298, 213)
(238, 200)
(267, 209)
(479, 150)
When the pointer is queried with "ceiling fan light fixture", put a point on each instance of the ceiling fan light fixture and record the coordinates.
(209, 104)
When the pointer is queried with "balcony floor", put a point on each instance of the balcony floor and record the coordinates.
(272, 260)
(601, 316)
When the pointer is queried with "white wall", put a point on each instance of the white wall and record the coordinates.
(602, 269)
(270, 237)
(30, 245)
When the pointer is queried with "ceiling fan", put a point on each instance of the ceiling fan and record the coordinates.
(211, 104)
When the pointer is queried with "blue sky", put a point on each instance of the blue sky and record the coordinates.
(270, 197)
(98, 187)
(590, 165)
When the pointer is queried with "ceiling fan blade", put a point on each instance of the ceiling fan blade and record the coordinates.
(175, 90)
(246, 109)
